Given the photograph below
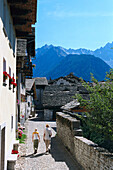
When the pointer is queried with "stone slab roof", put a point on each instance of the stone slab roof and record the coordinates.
(59, 95)
(29, 84)
(71, 105)
(41, 81)
(69, 78)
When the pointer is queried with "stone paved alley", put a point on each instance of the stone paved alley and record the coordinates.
(58, 159)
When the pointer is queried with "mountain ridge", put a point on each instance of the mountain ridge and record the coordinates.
(93, 65)
(48, 57)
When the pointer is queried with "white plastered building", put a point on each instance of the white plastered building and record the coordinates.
(7, 93)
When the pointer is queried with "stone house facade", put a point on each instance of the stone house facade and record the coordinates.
(60, 92)
(40, 84)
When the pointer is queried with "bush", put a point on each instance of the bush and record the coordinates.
(98, 126)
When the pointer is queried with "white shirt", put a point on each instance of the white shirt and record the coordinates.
(47, 132)
(35, 135)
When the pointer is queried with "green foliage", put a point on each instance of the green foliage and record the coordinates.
(22, 140)
(98, 126)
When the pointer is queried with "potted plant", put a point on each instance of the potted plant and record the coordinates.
(5, 76)
(10, 81)
(14, 85)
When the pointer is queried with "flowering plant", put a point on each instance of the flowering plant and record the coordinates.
(14, 84)
(10, 79)
(20, 132)
(5, 75)
(14, 152)
(13, 79)
(17, 101)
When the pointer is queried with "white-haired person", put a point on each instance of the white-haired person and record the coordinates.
(35, 140)
(47, 137)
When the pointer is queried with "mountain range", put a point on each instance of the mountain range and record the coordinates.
(53, 62)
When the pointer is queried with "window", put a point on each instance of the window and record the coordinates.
(4, 64)
(9, 71)
(14, 81)
(10, 80)
(11, 122)
(4, 72)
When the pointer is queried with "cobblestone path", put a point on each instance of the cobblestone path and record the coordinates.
(58, 159)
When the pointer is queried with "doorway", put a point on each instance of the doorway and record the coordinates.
(2, 148)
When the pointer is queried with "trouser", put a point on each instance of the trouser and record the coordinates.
(47, 143)
(35, 144)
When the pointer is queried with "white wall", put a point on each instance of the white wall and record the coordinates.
(7, 97)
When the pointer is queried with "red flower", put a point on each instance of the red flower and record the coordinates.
(14, 84)
(14, 152)
(5, 73)
(13, 79)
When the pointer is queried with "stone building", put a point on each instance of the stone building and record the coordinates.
(40, 83)
(60, 92)
(16, 18)
(30, 97)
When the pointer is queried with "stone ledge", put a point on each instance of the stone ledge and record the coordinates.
(66, 118)
(88, 154)
(77, 132)
(86, 141)
(12, 157)
(95, 147)
(11, 161)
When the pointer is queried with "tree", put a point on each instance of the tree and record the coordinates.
(98, 126)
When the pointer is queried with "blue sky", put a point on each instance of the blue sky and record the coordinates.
(74, 23)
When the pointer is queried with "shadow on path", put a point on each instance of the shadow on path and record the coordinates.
(37, 119)
(60, 154)
(26, 156)
(38, 155)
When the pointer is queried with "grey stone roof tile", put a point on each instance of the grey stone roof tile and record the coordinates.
(41, 81)
(29, 83)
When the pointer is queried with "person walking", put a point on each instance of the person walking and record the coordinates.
(47, 137)
(35, 140)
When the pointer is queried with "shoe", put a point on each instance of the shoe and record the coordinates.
(49, 150)
(35, 151)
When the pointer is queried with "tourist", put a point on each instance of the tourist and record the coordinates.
(35, 140)
(47, 137)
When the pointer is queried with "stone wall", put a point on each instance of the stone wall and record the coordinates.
(87, 153)
(67, 128)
